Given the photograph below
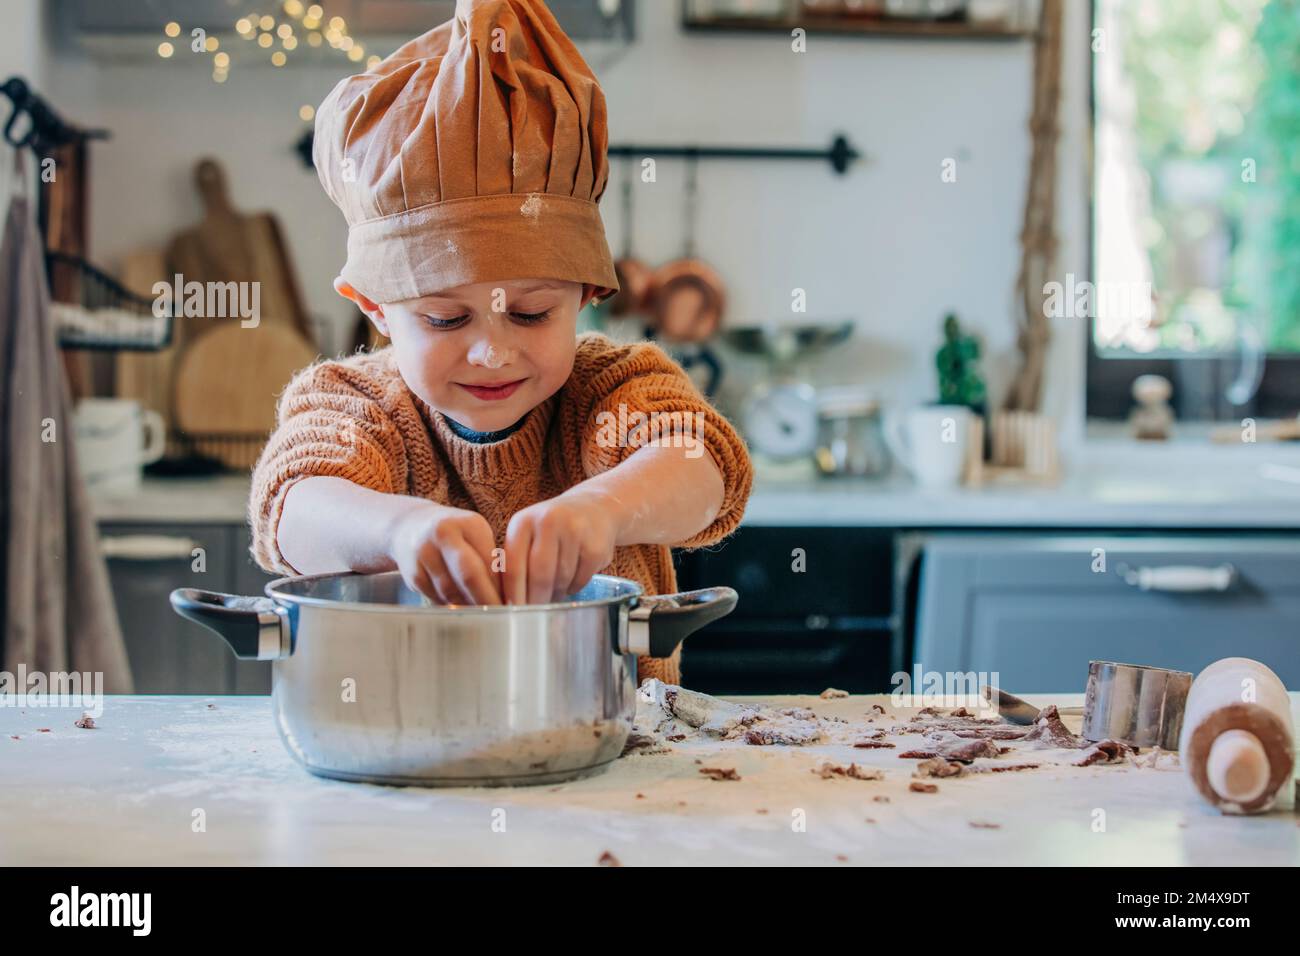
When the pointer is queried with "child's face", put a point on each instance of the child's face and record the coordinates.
(484, 354)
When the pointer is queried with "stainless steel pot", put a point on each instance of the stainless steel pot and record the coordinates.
(374, 682)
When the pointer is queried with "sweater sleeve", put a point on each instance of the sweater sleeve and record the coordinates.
(331, 422)
(637, 395)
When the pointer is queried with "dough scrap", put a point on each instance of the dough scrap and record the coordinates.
(758, 726)
(827, 769)
(720, 773)
(1049, 731)
(1104, 751)
(938, 767)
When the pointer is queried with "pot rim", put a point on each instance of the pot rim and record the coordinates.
(272, 590)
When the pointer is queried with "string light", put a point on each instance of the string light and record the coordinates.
(264, 29)
(306, 112)
(165, 49)
(172, 29)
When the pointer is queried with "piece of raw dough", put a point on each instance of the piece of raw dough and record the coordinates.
(1049, 731)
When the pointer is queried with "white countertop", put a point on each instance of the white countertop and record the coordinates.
(222, 499)
(127, 793)
(1084, 502)
(1118, 486)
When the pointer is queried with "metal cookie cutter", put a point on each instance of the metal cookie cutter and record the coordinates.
(1136, 705)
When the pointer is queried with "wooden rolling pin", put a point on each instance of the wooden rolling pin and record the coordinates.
(1238, 743)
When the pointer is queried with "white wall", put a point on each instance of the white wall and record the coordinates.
(22, 53)
(889, 244)
(22, 43)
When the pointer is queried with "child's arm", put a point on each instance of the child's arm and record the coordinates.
(331, 524)
(657, 496)
(329, 494)
(686, 489)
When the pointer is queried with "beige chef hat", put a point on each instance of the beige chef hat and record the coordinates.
(475, 153)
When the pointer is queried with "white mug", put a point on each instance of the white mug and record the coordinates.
(931, 443)
(115, 439)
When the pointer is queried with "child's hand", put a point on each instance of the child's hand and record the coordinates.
(446, 554)
(554, 547)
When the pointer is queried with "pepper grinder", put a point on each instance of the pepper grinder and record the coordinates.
(1237, 743)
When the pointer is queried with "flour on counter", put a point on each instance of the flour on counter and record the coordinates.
(714, 717)
(956, 743)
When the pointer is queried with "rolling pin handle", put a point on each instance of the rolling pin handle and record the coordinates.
(1237, 766)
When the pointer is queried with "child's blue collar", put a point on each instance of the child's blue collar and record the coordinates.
(482, 438)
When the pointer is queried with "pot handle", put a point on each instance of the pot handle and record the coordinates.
(257, 629)
(658, 624)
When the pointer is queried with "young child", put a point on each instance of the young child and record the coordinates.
(489, 454)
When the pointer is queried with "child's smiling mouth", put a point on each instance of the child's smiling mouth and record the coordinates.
(492, 391)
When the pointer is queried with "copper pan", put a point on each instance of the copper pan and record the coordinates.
(687, 301)
(633, 274)
(687, 298)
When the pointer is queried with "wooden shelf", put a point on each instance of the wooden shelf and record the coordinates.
(858, 26)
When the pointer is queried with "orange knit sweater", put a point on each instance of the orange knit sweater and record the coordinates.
(355, 418)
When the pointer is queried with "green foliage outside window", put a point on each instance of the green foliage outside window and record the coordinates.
(1216, 87)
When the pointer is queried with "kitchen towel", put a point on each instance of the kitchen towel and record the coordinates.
(474, 153)
(56, 605)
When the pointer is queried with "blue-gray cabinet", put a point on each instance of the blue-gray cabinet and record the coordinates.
(1035, 609)
(169, 655)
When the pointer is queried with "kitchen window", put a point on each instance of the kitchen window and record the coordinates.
(1195, 244)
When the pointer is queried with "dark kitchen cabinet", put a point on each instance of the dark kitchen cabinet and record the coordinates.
(168, 654)
(815, 611)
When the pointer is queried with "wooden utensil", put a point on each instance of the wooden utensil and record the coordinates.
(227, 383)
(230, 246)
(145, 376)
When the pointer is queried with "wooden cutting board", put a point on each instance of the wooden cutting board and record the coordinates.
(228, 382)
(231, 246)
(146, 376)
(225, 246)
